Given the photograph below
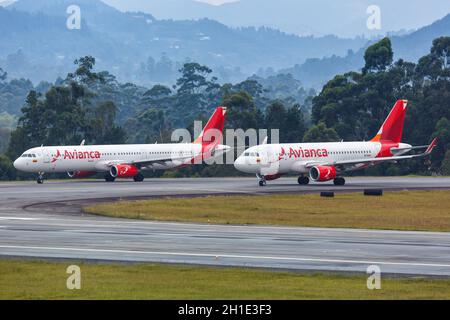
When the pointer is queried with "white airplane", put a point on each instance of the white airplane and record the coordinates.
(328, 161)
(125, 161)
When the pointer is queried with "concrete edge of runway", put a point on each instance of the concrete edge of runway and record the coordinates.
(81, 202)
(214, 266)
(71, 208)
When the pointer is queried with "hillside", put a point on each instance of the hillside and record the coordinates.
(303, 17)
(36, 43)
(316, 72)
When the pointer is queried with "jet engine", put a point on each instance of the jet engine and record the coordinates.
(322, 173)
(123, 171)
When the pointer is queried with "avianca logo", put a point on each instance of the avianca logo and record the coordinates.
(282, 154)
(58, 155)
(77, 155)
(304, 153)
(328, 174)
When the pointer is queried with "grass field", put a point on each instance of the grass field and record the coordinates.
(415, 210)
(47, 280)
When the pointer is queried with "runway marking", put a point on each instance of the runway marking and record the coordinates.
(119, 223)
(216, 256)
(16, 218)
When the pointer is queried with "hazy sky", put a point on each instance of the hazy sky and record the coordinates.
(217, 2)
(345, 18)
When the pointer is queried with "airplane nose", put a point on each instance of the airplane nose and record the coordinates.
(239, 164)
(16, 164)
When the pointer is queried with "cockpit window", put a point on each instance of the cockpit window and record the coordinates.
(251, 154)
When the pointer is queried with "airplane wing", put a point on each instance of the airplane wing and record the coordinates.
(173, 157)
(344, 163)
(162, 160)
(148, 162)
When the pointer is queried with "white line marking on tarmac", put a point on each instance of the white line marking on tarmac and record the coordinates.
(17, 218)
(215, 256)
(120, 222)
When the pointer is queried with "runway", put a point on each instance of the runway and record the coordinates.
(45, 221)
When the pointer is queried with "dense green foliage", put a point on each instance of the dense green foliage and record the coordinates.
(95, 106)
(355, 104)
(65, 115)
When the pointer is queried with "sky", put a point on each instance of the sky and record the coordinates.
(344, 18)
(217, 2)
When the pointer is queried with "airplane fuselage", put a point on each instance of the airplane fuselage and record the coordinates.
(99, 158)
(273, 159)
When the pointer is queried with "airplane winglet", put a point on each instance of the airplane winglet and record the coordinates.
(432, 145)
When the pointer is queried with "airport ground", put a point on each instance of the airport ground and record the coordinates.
(26, 279)
(395, 210)
(47, 223)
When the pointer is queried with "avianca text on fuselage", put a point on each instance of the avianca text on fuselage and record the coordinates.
(125, 161)
(322, 162)
(81, 155)
(298, 153)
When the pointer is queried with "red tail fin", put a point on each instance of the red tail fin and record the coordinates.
(213, 128)
(392, 128)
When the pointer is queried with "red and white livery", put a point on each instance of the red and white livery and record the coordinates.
(323, 162)
(125, 161)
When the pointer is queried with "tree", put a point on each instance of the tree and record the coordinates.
(294, 127)
(242, 112)
(442, 132)
(157, 92)
(276, 116)
(436, 65)
(65, 115)
(446, 164)
(149, 126)
(3, 75)
(194, 79)
(378, 56)
(320, 133)
(83, 73)
(252, 87)
(7, 171)
(101, 125)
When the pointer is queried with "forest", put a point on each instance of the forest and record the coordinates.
(92, 105)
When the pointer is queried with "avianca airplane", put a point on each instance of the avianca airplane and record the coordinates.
(329, 161)
(125, 161)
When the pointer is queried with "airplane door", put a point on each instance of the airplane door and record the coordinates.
(46, 154)
(270, 163)
(144, 155)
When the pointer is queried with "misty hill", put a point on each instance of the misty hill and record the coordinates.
(35, 42)
(316, 72)
(320, 17)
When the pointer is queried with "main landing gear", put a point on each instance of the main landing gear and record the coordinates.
(139, 177)
(302, 180)
(109, 177)
(40, 179)
(339, 181)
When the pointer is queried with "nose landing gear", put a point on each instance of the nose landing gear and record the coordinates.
(261, 180)
(40, 178)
